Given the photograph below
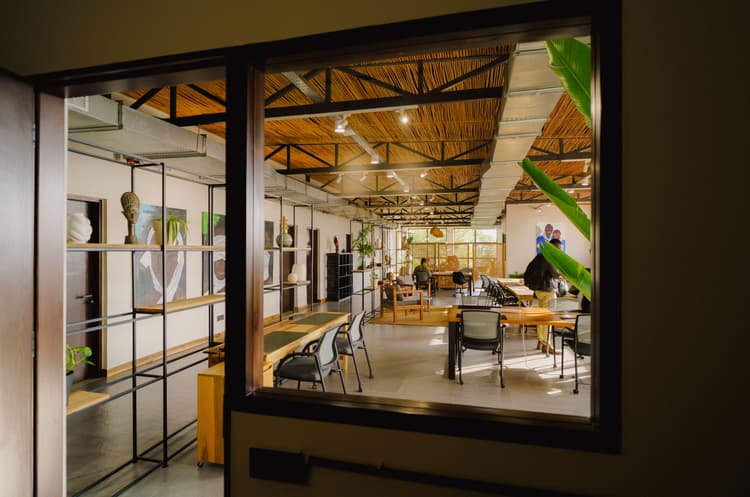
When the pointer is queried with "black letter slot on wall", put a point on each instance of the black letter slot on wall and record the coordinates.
(289, 467)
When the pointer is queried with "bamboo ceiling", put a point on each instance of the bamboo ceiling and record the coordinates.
(462, 130)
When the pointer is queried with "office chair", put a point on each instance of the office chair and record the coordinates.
(459, 281)
(347, 342)
(481, 330)
(314, 363)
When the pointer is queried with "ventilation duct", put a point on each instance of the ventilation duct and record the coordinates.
(533, 92)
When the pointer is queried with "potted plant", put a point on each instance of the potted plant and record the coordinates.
(363, 244)
(174, 224)
(74, 357)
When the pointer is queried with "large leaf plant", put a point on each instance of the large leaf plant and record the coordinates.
(571, 61)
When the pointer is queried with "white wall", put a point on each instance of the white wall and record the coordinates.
(100, 179)
(521, 222)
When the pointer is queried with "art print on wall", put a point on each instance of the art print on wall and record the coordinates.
(546, 232)
(268, 255)
(214, 263)
(149, 288)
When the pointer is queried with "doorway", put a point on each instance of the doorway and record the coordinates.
(83, 283)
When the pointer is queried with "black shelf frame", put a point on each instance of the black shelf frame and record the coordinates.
(133, 317)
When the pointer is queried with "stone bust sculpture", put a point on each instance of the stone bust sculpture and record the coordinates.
(130, 209)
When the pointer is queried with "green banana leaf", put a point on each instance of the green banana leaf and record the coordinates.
(571, 61)
(558, 196)
(568, 267)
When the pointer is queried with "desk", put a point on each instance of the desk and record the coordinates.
(279, 339)
(510, 315)
(514, 286)
(467, 274)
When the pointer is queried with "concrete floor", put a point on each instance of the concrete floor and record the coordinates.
(409, 362)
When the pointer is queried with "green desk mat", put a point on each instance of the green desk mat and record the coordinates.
(321, 318)
(277, 339)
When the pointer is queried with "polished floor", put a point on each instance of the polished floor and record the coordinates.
(409, 362)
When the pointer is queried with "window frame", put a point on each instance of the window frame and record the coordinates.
(244, 67)
(602, 431)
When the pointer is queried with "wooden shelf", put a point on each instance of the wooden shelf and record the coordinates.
(287, 285)
(81, 400)
(126, 247)
(181, 305)
(289, 249)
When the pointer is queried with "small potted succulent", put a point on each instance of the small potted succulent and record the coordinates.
(74, 357)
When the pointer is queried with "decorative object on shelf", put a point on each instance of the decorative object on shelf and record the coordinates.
(131, 206)
(292, 278)
(363, 244)
(301, 270)
(268, 255)
(437, 232)
(284, 239)
(214, 262)
(378, 244)
(387, 259)
(74, 357)
(336, 243)
(174, 224)
(403, 241)
(79, 228)
(148, 272)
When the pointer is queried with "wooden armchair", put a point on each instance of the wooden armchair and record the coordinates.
(395, 298)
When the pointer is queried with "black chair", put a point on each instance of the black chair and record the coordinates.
(314, 363)
(347, 342)
(422, 282)
(481, 330)
(579, 339)
(459, 280)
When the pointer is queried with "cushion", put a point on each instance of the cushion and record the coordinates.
(390, 290)
(405, 280)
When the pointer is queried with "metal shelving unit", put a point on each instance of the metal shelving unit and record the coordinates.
(145, 376)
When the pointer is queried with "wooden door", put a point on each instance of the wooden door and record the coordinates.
(83, 301)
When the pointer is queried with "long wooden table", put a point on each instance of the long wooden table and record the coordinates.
(279, 339)
(509, 315)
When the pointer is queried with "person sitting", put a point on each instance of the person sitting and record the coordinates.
(423, 267)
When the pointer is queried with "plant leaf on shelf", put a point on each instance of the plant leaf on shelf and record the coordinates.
(570, 59)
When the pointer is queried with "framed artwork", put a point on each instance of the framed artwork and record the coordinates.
(547, 231)
(268, 254)
(148, 265)
(214, 263)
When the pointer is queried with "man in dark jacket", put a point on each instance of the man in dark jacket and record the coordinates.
(541, 277)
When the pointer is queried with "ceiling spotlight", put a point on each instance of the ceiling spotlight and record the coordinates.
(340, 178)
(586, 163)
(389, 174)
(374, 159)
(423, 174)
(403, 116)
(340, 124)
(406, 189)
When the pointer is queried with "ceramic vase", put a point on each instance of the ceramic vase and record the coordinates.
(79, 228)
(284, 239)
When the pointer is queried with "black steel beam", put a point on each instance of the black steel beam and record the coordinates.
(375, 81)
(565, 156)
(145, 98)
(310, 110)
(399, 193)
(565, 186)
(290, 87)
(479, 70)
(199, 120)
(208, 94)
(368, 168)
(543, 200)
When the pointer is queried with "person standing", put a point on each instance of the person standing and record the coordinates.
(541, 277)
